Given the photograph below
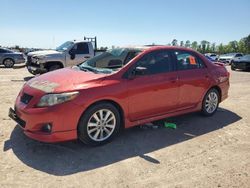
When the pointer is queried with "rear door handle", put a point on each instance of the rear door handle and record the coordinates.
(87, 57)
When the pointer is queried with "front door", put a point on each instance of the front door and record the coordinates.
(155, 92)
(79, 53)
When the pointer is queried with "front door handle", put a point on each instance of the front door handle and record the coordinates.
(173, 79)
(87, 57)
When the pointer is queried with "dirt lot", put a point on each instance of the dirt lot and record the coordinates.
(201, 152)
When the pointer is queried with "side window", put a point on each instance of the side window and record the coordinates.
(156, 62)
(130, 56)
(238, 55)
(81, 48)
(186, 61)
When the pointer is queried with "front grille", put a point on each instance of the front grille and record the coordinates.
(29, 61)
(14, 116)
(25, 98)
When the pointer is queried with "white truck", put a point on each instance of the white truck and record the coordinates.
(68, 54)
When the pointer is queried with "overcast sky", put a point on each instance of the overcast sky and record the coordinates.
(47, 23)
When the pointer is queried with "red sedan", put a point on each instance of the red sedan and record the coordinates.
(118, 89)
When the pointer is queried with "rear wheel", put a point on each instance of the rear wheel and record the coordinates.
(210, 102)
(99, 124)
(8, 63)
(54, 67)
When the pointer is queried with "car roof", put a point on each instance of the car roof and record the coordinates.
(5, 49)
(153, 48)
(158, 47)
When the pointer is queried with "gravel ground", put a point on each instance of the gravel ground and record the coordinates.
(201, 152)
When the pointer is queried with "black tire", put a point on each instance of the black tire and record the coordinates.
(8, 63)
(31, 72)
(232, 67)
(54, 67)
(205, 110)
(84, 134)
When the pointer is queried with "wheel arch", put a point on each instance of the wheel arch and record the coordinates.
(114, 103)
(7, 57)
(218, 89)
(50, 63)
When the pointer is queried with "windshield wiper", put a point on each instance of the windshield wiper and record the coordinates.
(85, 68)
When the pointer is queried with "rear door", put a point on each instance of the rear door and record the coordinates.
(1, 56)
(193, 78)
(155, 92)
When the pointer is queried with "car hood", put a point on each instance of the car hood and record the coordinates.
(15, 53)
(226, 57)
(19, 53)
(241, 60)
(44, 53)
(64, 80)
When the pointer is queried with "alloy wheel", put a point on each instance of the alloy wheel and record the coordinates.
(101, 125)
(211, 102)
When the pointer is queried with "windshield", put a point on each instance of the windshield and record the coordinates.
(109, 61)
(65, 46)
(246, 57)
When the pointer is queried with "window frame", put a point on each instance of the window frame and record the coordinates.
(3, 51)
(200, 61)
(132, 67)
(81, 43)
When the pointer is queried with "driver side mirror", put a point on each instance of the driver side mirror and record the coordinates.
(138, 71)
(72, 54)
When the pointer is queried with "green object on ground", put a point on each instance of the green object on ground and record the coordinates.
(170, 125)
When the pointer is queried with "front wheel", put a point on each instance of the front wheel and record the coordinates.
(99, 124)
(54, 67)
(210, 102)
(31, 71)
(232, 67)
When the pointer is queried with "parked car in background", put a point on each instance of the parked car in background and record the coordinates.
(115, 58)
(210, 59)
(96, 99)
(242, 63)
(227, 58)
(212, 56)
(9, 58)
(68, 54)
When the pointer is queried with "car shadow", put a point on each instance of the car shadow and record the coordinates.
(16, 66)
(71, 157)
(239, 70)
(27, 78)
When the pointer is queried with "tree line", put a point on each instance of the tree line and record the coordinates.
(242, 46)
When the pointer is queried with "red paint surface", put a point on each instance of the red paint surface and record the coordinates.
(143, 99)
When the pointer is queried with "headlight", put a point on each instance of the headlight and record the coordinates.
(53, 99)
(37, 59)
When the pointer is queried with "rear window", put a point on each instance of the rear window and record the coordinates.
(187, 60)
